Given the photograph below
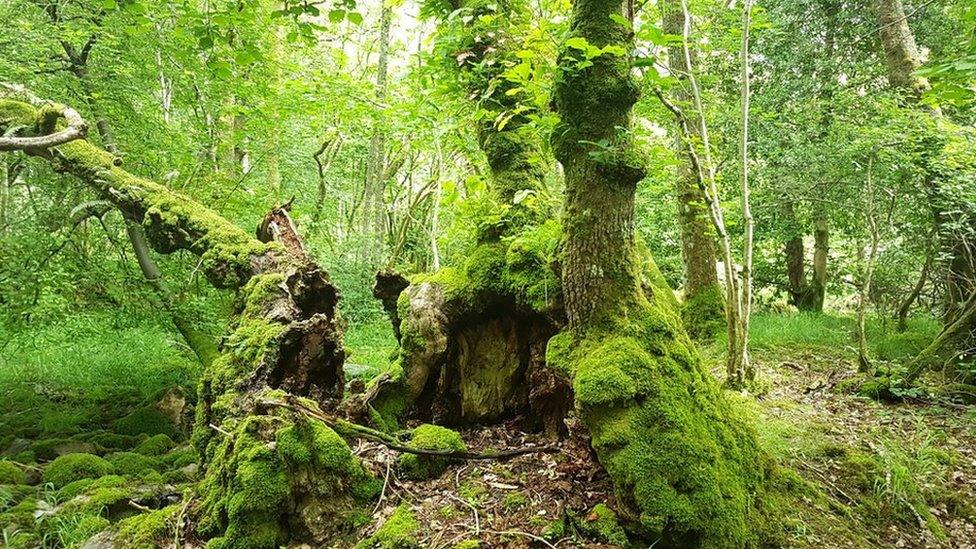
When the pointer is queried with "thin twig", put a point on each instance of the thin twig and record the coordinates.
(474, 511)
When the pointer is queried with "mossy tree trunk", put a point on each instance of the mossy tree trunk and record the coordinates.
(686, 470)
(704, 308)
(271, 476)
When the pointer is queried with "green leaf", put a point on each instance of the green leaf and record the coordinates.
(577, 43)
(354, 17)
(336, 16)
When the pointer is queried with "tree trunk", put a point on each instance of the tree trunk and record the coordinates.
(272, 477)
(704, 307)
(807, 295)
(374, 207)
(681, 482)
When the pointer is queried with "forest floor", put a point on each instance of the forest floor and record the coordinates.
(878, 475)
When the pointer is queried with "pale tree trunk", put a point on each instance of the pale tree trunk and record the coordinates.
(374, 204)
(740, 369)
(704, 303)
(632, 363)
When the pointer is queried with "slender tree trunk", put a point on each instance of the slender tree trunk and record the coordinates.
(906, 305)
(704, 302)
(200, 342)
(740, 368)
(374, 207)
(821, 253)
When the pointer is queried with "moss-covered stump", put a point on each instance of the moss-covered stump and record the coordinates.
(429, 437)
(277, 478)
(473, 339)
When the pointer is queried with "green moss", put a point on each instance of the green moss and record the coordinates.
(148, 530)
(602, 525)
(146, 420)
(429, 437)
(704, 312)
(398, 532)
(72, 467)
(133, 464)
(271, 465)
(156, 445)
(181, 457)
(514, 501)
(468, 544)
(10, 473)
(682, 458)
(75, 488)
(103, 492)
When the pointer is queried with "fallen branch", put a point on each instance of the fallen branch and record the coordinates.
(348, 427)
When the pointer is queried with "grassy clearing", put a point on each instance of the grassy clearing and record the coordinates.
(811, 330)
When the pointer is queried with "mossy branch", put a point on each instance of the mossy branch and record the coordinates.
(354, 429)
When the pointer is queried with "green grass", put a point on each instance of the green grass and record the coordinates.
(370, 345)
(65, 377)
(810, 330)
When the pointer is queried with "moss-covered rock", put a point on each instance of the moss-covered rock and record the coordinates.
(72, 467)
(429, 437)
(11, 473)
(133, 464)
(398, 532)
(156, 445)
(146, 420)
(75, 488)
(148, 530)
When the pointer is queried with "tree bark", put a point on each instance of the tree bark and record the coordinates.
(374, 208)
(474, 334)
